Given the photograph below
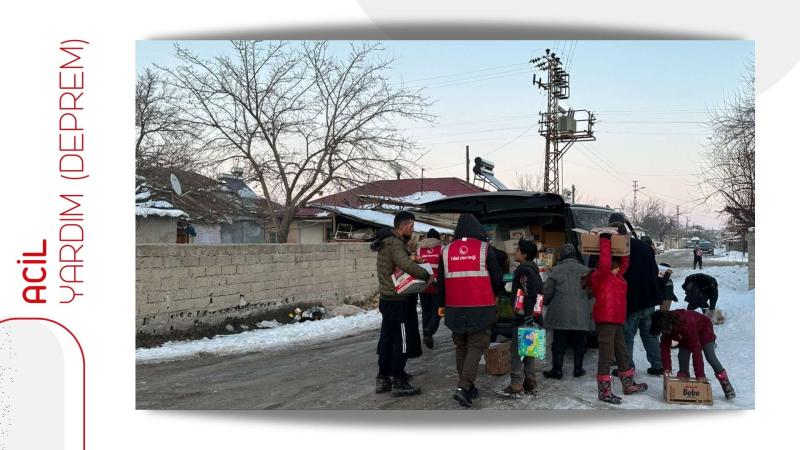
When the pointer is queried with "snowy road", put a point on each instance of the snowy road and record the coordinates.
(340, 374)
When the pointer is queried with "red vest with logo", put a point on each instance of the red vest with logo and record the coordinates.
(431, 256)
(466, 278)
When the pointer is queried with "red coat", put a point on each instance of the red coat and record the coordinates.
(610, 290)
(693, 332)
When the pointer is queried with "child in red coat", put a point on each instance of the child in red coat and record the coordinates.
(695, 334)
(610, 290)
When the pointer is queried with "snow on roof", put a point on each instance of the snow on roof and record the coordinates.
(379, 218)
(159, 208)
(416, 198)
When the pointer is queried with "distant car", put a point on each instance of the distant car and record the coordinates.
(707, 247)
(659, 247)
(690, 244)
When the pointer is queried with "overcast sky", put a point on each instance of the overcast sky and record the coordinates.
(651, 100)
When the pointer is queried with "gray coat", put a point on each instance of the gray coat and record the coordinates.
(568, 306)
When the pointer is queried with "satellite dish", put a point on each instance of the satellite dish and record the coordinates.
(176, 185)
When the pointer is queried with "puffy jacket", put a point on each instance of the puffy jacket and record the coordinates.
(609, 289)
(693, 332)
(527, 278)
(393, 252)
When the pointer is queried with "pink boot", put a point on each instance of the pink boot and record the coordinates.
(629, 386)
(726, 385)
(604, 390)
(683, 375)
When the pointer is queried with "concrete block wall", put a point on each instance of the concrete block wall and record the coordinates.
(180, 286)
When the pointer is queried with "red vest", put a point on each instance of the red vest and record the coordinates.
(431, 256)
(466, 279)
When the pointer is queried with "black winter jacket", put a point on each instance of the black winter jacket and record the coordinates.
(527, 278)
(470, 320)
(644, 289)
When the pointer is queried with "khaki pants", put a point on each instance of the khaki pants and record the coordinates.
(612, 345)
(520, 367)
(469, 349)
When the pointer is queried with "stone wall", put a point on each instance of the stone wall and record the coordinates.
(179, 287)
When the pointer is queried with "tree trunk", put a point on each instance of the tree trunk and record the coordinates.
(286, 223)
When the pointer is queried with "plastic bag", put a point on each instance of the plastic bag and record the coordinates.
(532, 342)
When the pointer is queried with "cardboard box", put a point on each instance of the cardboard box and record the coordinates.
(590, 243)
(554, 239)
(687, 391)
(518, 233)
(498, 358)
(407, 284)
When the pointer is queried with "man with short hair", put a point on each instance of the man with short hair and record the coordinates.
(399, 338)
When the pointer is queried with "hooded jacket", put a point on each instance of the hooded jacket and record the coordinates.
(393, 252)
(700, 289)
(472, 319)
(609, 289)
(568, 305)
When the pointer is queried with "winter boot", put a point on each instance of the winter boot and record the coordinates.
(472, 393)
(726, 385)
(382, 384)
(604, 393)
(512, 390)
(401, 388)
(654, 371)
(529, 385)
(558, 363)
(427, 339)
(682, 374)
(629, 386)
(577, 365)
(462, 397)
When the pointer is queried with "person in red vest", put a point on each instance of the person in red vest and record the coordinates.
(610, 292)
(429, 251)
(470, 277)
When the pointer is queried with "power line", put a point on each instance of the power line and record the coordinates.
(450, 75)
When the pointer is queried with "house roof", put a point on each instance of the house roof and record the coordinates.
(394, 190)
(381, 219)
(203, 199)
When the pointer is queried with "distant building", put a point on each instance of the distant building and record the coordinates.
(208, 211)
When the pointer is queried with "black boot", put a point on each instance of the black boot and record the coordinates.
(462, 397)
(401, 388)
(577, 366)
(382, 384)
(558, 363)
(427, 339)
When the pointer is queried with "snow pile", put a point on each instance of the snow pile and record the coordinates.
(735, 344)
(277, 338)
(732, 256)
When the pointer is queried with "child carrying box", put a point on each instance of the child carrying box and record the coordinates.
(695, 334)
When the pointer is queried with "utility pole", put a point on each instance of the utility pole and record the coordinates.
(422, 181)
(636, 189)
(678, 217)
(557, 125)
(573, 194)
(468, 164)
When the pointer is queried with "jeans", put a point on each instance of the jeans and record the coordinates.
(708, 352)
(697, 260)
(640, 321)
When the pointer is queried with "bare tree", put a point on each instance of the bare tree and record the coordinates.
(300, 117)
(163, 139)
(651, 215)
(729, 168)
(528, 181)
